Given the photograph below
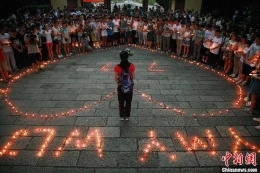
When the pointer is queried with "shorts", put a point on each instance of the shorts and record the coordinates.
(159, 39)
(56, 41)
(204, 51)
(247, 69)
(64, 40)
(116, 36)
(186, 42)
(150, 36)
(73, 35)
(34, 57)
(104, 33)
(255, 87)
(3, 65)
(110, 38)
(228, 54)
(49, 44)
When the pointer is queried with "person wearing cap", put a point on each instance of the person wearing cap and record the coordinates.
(124, 100)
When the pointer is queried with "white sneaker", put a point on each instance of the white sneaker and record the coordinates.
(61, 56)
(257, 127)
(237, 78)
(256, 120)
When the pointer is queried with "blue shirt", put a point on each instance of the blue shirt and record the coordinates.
(110, 25)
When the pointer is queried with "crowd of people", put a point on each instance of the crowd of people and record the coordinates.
(232, 46)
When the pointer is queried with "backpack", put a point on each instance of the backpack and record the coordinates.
(126, 80)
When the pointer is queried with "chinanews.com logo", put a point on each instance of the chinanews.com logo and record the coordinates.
(238, 159)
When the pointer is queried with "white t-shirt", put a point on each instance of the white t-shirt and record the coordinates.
(55, 32)
(135, 25)
(116, 25)
(216, 42)
(180, 30)
(208, 36)
(145, 27)
(254, 49)
(187, 34)
(48, 36)
(5, 39)
(174, 28)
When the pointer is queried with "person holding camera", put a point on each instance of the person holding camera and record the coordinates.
(31, 40)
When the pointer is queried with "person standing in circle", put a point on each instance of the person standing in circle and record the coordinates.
(124, 76)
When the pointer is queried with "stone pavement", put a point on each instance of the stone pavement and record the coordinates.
(180, 120)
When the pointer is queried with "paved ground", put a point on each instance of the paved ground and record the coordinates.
(183, 102)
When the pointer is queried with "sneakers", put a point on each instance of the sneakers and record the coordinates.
(232, 75)
(240, 81)
(237, 78)
(244, 83)
(122, 118)
(256, 120)
(257, 127)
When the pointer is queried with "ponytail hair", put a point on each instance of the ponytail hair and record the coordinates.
(124, 64)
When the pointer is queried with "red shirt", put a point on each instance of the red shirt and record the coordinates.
(2, 55)
(118, 69)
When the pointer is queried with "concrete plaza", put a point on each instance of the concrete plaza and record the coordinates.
(65, 119)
